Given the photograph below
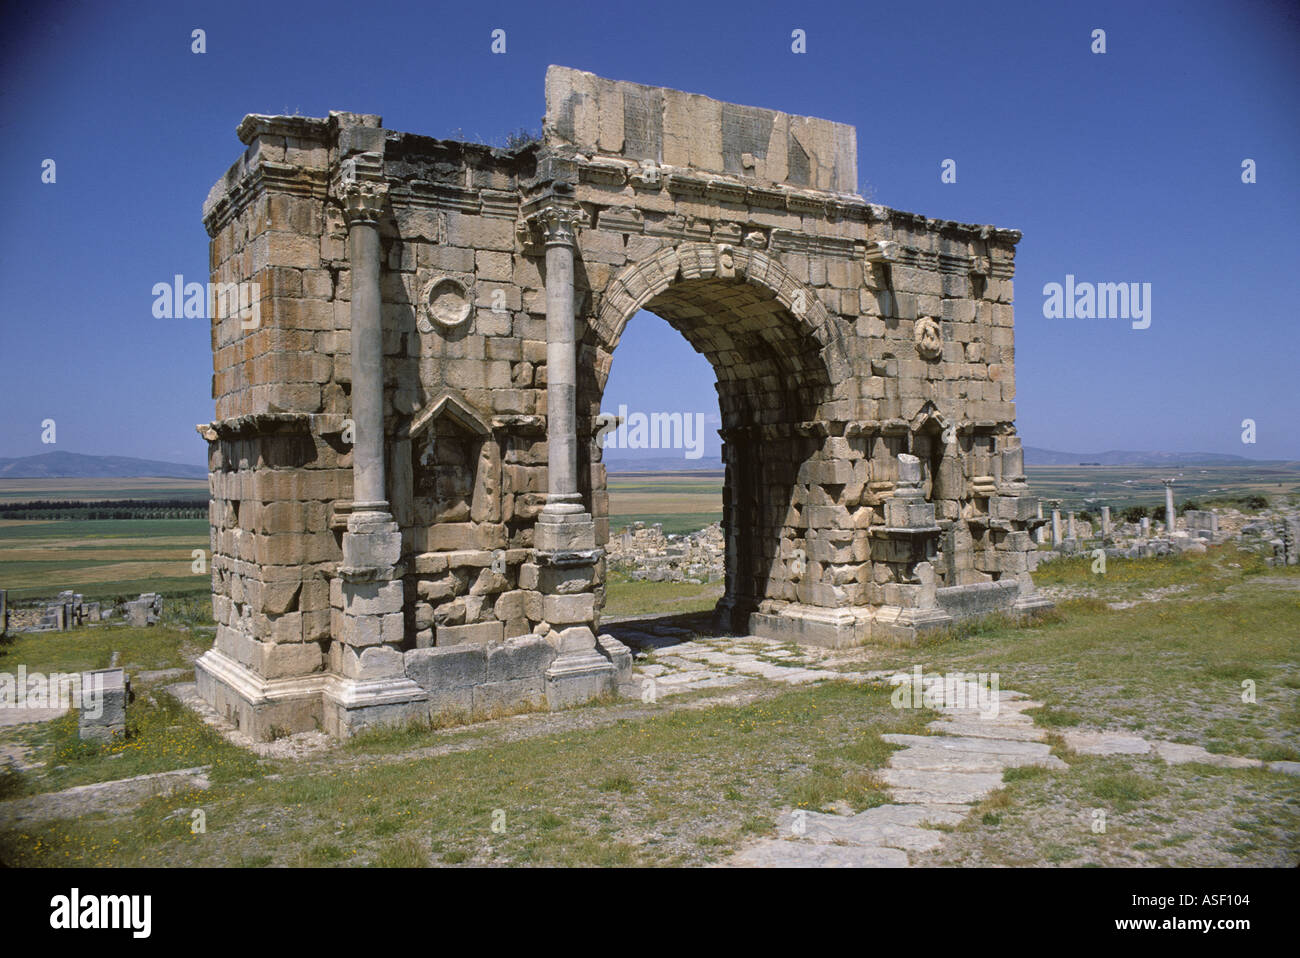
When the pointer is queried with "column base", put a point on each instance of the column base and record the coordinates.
(1029, 606)
(895, 625)
(350, 705)
(565, 532)
(813, 625)
(263, 709)
(579, 678)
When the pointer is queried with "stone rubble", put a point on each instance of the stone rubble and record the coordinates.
(70, 610)
(644, 553)
(1272, 531)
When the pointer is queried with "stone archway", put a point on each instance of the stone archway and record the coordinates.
(406, 431)
(779, 363)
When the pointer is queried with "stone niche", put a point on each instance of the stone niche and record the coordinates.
(437, 323)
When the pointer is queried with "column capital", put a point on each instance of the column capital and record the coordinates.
(553, 222)
(361, 188)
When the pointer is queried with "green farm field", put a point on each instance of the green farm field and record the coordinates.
(101, 559)
(682, 501)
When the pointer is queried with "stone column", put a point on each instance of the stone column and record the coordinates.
(1105, 520)
(1069, 525)
(367, 653)
(1171, 517)
(1056, 524)
(565, 534)
(1146, 526)
(363, 206)
(562, 498)
(1041, 532)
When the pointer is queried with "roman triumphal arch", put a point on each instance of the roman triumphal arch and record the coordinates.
(408, 504)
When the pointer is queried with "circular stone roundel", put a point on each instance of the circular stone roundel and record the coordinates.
(446, 302)
(929, 338)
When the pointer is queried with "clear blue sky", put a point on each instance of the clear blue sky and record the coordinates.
(1122, 167)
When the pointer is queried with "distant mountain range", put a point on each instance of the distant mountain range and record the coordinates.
(71, 465)
(1050, 457)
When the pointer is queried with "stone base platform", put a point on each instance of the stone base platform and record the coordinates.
(895, 625)
(469, 680)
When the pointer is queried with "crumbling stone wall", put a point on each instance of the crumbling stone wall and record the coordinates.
(865, 378)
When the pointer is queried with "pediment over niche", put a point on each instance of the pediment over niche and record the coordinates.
(456, 409)
(928, 414)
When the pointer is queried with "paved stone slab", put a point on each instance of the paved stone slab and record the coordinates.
(776, 853)
(914, 815)
(945, 788)
(116, 796)
(22, 716)
(969, 743)
(945, 760)
(855, 830)
(1105, 743)
(1176, 754)
(1286, 768)
(975, 728)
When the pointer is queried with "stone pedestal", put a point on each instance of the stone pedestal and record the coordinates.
(108, 690)
(581, 671)
(368, 683)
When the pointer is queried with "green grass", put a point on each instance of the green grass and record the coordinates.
(1171, 669)
(107, 529)
(625, 597)
(635, 785)
(102, 559)
(674, 523)
(92, 648)
(677, 787)
(162, 735)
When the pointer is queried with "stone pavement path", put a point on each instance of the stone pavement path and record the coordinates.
(934, 780)
(684, 662)
(1175, 753)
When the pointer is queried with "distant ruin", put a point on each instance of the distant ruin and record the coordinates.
(409, 511)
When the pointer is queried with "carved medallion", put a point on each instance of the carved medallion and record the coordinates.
(446, 303)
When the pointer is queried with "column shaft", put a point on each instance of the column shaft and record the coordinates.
(561, 383)
(368, 492)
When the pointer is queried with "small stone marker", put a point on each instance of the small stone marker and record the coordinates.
(114, 688)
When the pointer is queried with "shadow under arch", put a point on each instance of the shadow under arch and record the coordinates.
(778, 358)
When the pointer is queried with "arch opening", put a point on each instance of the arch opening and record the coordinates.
(770, 379)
